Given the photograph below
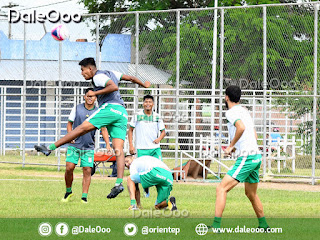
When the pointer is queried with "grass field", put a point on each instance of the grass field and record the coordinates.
(35, 191)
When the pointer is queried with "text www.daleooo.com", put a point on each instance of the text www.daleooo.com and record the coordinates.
(245, 229)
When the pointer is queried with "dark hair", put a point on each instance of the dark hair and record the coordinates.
(148, 97)
(234, 93)
(87, 90)
(87, 61)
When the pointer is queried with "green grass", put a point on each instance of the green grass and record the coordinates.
(36, 192)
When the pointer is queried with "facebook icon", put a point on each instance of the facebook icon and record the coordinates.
(62, 229)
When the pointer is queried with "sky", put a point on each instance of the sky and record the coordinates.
(36, 31)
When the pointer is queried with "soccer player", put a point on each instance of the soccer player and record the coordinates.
(150, 171)
(111, 114)
(147, 125)
(82, 147)
(246, 168)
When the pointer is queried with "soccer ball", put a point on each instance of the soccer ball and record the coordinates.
(60, 32)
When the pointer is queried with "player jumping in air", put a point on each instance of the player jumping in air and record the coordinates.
(150, 171)
(246, 168)
(111, 114)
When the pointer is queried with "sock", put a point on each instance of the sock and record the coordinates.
(216, 222)
(118, 181)
(263, 222)
(52, 147)
(69, 190)
(84, 195)
(133, 202)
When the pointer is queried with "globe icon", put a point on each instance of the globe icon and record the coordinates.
(201, 229)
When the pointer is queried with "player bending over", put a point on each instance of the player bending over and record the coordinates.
(111, 114)
(246, 168)
(150, 171)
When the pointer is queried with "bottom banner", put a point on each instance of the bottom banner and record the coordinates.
(157, 228)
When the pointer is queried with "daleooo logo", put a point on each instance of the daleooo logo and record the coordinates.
(52, 16)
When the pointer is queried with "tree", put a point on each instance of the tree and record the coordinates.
(289, 44)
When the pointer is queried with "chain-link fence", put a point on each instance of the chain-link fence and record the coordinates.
(269, 51)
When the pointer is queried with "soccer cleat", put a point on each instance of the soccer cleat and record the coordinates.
(172, 204)
(84, 200)
(133, 207)
(67, 197)
(43, 149)
(115, 191)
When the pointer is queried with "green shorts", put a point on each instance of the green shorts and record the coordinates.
(246, 169)
(155, 152)
(113, 117)
(162, 179)
(86, 156)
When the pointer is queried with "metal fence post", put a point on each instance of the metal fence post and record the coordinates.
(264, 89)
(315, 65)
(59, 102)
(176, 119)
(221, 87)
(24, 105)
(98, 61)
(136, 90)
(214, 68)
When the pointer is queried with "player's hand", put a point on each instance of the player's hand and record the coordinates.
(147, 84)
(73, 142)
(132, 150)
(228, 151)
(91, 93)
(156, 141)
(109, 150)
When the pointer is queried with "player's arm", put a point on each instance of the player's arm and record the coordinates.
(162, 135)
(131, 188)
(162, 130)
(69, 126)
(71, 119)
(130, 138)
(136, 80)
(105, 135)
(137, 195)
(240, 127)
(110, 87)
(255, 134)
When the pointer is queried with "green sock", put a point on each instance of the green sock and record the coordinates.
(118, 181)
(216, 222)
(262, 222)
(52, 147)
(84, 195)
(133, 202)
(69, 189)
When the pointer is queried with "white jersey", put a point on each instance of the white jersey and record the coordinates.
(247, 144)
(145, 164)
(147, 129)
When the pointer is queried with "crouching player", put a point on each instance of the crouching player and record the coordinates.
(150, 171)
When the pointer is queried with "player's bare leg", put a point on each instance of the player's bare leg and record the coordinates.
(82, 129)
(117, 144)
(68, 176)
(251, 193)
(223, 188)
(86, 183)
